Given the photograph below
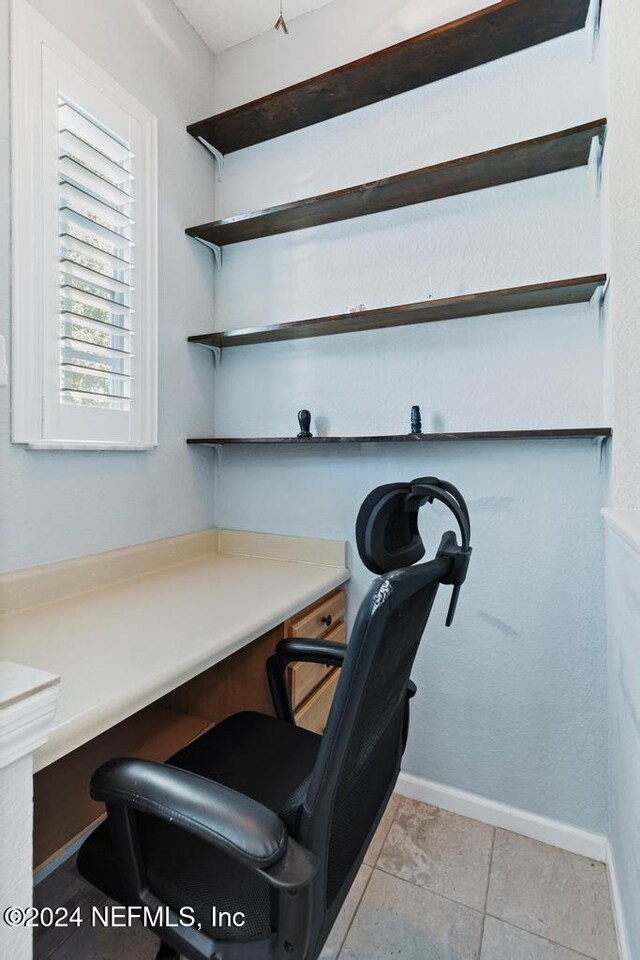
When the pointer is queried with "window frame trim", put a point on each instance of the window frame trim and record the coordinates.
(29, 31)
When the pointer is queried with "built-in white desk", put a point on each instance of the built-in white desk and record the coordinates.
(125, 629)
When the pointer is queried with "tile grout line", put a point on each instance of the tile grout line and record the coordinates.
(388, 831)
(434, 893)
(372, 867)
(486, 895)
(483, 911)
(493, 847)
(539, 936)
(353, 915)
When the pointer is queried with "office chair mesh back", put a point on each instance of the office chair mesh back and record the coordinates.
(367, 719)
(329, 791)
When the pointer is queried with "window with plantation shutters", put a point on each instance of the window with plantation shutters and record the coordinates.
(85, 274)
(97, 325)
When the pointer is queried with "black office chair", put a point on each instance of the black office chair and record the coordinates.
(262, 820)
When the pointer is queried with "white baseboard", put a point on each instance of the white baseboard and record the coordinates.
(554, 832)
(624, 944)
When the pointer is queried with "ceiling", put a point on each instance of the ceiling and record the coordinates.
(223, 23)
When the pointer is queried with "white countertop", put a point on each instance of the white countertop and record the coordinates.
(28, 699)
(18, 682)
(119, 648)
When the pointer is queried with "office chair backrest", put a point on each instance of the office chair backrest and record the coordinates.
(359, 758)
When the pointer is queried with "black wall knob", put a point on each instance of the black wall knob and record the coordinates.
(304, 419)
(416, 420)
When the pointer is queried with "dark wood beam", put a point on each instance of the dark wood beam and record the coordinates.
(558, 151)
(554, 293)
(565, 433)
(478, 38)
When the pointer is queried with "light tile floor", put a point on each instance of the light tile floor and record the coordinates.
(434, 886)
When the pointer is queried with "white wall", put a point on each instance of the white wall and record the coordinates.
(347, 31)
(623, 559)
(16, 822)
(55, 505)
(623, 244)
(623, 599)
(512, 700)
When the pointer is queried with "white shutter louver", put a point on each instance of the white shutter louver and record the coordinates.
(84, 249)
(95, 224)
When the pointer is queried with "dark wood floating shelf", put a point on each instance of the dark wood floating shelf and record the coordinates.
(558, 151)
(478, 38)
(561, 434)
(552, 294)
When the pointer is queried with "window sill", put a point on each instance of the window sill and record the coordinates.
(87, 445)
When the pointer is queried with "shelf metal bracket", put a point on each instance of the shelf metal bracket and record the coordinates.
(217, 467)
(595, 164)
(217, 454)
(217, 457)
(600, 443)
(592, 27)
(215, 350)
(215, 249)
(598, 299)
(216, 447)
(217, 156)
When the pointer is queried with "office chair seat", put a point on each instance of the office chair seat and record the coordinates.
(261, 757)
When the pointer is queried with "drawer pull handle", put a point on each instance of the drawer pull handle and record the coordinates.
(328, 619)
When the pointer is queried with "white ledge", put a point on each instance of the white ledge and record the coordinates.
(626, 524)
(86, 445)
(28, 699)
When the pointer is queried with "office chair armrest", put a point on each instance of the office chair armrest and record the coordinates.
(298, 650)
(228, 820)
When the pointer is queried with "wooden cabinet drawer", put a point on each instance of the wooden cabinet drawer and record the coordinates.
(304, 678)
(317, 620)
(337, 634)
(313, 713)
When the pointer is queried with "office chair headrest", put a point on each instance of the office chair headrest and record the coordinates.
(387, 534)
